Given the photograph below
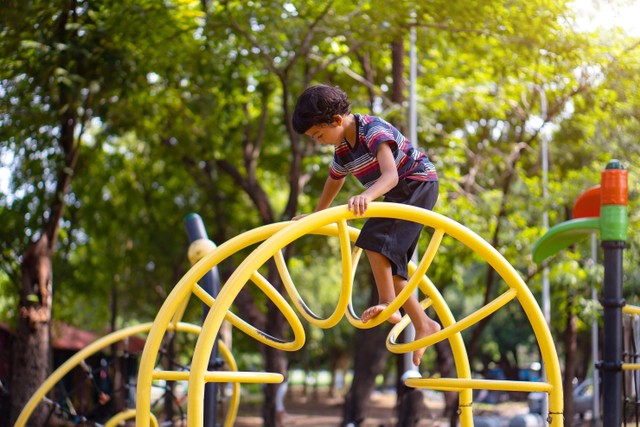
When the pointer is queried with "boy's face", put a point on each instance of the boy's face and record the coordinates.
(327, 134)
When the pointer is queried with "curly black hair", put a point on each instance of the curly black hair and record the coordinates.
(318, 105)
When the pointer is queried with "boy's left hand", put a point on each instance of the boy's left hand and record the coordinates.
(358, 204)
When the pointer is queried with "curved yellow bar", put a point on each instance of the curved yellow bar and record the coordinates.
(333, 222)
(176, 298)
(75, 360)
(518, 289)
(347, 280)
(455, 328)
(459, 384)
(234, 403)
(71, 363)
(222, 376)
(241, 275)
(108, 340)
(312, 222)
(460, 357)
(258, 335)
(631, 310)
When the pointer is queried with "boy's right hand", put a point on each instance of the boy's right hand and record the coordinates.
(358, 204)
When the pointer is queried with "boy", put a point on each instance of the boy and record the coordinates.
(382, 159)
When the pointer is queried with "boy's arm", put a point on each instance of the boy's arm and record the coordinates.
(329, 192)
(388, 179)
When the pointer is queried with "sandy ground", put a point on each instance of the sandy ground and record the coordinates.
(322, 411)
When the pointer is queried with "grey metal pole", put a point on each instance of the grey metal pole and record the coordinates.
(210, 282)
(546, 286)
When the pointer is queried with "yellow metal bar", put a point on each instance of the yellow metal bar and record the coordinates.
(251, 330)
(225, 299)
(197, 250)
(231, 317)
(173, 301)
(459, 326)
(463, 370)
(631, 309)
(525, 297)
(459, 384)
(631, 366)
(429, 255)
(287, 312)
(221, 376)
(71, 363)
(299, 303)
(107, 341)
(325, 222)
(241, 276)
(234, 402)
(177, 315)
(349, 260)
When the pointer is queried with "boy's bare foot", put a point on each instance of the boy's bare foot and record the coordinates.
(372, 312)
(430, 328)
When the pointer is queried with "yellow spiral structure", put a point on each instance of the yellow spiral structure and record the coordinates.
(333, 222)
(105, 342)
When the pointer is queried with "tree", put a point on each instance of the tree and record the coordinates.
(61, 69)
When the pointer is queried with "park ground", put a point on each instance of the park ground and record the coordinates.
(321, 410)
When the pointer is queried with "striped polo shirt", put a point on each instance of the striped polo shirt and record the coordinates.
(361, 161)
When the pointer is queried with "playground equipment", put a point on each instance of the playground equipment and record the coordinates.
(78, 360)
(602, 209)
(333, 222)
(271, 240)
(210, 282)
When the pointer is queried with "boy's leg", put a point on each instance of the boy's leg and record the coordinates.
(424, 326)
(381, 269)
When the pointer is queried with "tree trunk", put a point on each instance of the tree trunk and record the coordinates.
(31, 348)
(275, 361)
(370, 358)
(31, 358)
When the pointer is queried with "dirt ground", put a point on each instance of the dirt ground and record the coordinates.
(324, 411)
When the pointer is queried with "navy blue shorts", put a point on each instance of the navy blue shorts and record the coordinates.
(394, 238)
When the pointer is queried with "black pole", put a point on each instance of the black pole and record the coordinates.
(613, 229)
(210, 282)
(612, 303)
